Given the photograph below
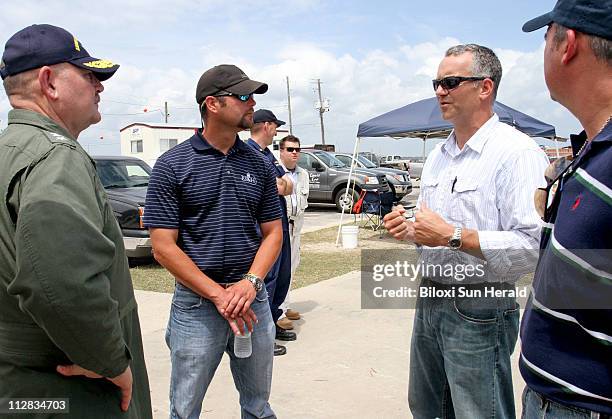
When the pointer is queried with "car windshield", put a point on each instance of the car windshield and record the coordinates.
(328, 159)
(366, 162)
(123, 173)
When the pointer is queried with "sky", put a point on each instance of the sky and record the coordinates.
(371, 57)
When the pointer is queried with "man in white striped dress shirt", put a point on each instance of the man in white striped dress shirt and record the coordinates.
(475, 209)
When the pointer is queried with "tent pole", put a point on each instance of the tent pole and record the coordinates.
(348, 185)
(424, 141)
(556, 146)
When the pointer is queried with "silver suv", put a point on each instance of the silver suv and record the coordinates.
(399, 180)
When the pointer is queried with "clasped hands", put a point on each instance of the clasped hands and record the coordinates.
(234, 304)
(428, 229)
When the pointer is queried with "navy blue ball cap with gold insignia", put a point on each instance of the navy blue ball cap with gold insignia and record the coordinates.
(40, 45)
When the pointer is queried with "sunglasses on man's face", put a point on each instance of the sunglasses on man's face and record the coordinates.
(242, 98)
(452, 82)
(292, 149)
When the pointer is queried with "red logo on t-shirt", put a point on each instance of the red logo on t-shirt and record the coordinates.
(576, 203)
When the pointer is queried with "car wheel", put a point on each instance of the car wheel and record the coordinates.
(347, 204)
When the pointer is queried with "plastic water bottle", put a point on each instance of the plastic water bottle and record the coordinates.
(242, 344)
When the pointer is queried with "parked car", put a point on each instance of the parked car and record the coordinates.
(125, 180)
(371, 156)
(329, 177)
(396, 161)
(416, 168)
(399, 180)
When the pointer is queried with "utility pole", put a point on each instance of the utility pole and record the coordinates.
(166, 111)
(322, 106)
(289, 106)
(321, 110)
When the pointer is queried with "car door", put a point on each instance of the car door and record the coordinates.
(319, 184)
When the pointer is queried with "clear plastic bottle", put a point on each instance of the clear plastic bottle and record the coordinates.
(242, 344)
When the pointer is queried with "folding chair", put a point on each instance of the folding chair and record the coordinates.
(371, 210)
(375, 206)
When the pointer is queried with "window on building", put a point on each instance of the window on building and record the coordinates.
(136, 146)
(166, 144)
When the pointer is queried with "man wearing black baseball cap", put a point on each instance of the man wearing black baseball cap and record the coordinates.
(566, 332)
(69, 325)
(278, 280)
(206, 199)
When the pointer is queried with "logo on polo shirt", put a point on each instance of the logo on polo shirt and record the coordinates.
(248, 178)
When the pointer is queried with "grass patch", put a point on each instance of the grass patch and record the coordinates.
(319, 266)
(152, 277)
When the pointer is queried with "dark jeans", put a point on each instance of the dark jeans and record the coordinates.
(460, 357)
(278, 279)
(535, 406)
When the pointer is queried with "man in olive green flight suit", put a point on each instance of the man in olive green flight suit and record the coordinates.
(69, 326)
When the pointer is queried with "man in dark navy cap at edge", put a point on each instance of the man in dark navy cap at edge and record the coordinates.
(206, 199)
(566, 332)
(69, 328)
(278, 280)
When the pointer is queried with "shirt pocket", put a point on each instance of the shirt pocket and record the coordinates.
(465, 201)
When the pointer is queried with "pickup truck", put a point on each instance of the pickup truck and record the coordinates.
(396, 161)
(329, 176)
(125, 180)
(399, 180)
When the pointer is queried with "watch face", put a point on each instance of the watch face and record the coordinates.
(454, 243)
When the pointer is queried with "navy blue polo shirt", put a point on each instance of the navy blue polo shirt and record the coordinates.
(566, 332)
(215, 201)
(280, 172)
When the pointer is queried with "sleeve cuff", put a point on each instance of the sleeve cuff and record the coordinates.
(493, 249)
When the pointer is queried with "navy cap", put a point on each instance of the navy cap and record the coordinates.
(593, 17)
(229, 78)
(40, 45)
(264, 115)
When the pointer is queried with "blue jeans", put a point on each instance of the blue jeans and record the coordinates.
(197, 336)
(537, 407)
(460, 357)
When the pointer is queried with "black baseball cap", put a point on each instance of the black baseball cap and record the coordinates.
(264, 115)
(40, 45)
(228, 78)
(593, 17)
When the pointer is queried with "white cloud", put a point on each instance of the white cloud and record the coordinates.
(162, 58)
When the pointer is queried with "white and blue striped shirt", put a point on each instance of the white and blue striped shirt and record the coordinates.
(487, 186)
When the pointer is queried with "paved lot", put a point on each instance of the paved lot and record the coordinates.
(346, 363)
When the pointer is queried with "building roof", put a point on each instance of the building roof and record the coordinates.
(160, 125)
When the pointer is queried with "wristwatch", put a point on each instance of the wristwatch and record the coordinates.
(455, 241)
(255, 280)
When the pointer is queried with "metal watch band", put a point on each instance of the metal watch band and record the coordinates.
(455, 241)
(255, 280)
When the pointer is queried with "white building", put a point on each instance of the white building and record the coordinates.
(147, 141)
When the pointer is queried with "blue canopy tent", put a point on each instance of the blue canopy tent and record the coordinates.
(423, 119)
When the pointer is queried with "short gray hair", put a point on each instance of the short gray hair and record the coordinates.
(601, 47)
(484, 64)
(19, 84)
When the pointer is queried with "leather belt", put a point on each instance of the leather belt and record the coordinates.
(226, 285)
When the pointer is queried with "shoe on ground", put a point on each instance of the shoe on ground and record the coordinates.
(285, 323)
(279, 350)
(292, 314)
(282, 334)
